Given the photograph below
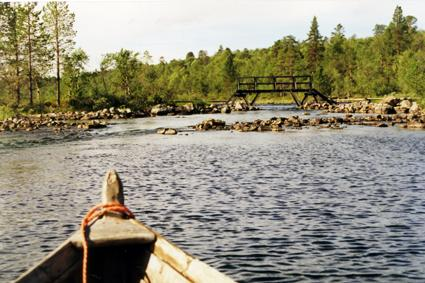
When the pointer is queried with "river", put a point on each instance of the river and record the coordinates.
(310, 205)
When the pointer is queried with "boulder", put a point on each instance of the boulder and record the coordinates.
(161, 110)
(225, 109)
(414, 108)
(96, 124)
(166, 131)
(390, 100)
(240, 106)
(189, 107)
(384, 108)
(276, 128)
(382, 125)
(315, 121)
(416, 125)
(406, 104)
(211, 124)
(170, 132)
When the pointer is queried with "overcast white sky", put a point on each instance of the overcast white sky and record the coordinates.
(171, 28)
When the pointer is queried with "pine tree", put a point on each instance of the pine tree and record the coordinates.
(229, 69)
(288, 56)
(59, 21)
(315, 48)
(400, 31)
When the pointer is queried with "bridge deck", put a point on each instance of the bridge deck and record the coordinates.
(278, 84)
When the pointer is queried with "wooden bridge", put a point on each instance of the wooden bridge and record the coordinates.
(278, 84)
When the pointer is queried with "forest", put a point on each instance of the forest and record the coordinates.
(41, 69)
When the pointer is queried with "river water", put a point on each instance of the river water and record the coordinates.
(311, 205)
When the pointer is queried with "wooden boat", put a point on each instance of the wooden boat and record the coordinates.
(120, 250)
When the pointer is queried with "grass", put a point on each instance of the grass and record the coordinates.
(6, 112)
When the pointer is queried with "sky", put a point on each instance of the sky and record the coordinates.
(172, 28)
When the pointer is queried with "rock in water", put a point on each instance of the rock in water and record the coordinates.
(211, 124)
(161, 110)
(416, 125)
(390, 100)
(166, 131)
(240, 106)
(405, 104)
(170, 132)
(414, 108)
(225, 109)
(384, 108)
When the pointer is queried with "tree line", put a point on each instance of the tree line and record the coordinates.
(40, 65)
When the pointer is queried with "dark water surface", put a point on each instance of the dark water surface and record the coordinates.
(299, 206)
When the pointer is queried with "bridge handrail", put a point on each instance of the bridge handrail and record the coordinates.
(271, 77)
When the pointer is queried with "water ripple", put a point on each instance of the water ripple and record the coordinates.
(301, 206)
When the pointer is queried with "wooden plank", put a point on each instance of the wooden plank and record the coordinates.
(159, 271)
(174, 256)
(295, 99)
(51, 268)
(255, 98)
(183, 262)
(198, 271)
(112, 231)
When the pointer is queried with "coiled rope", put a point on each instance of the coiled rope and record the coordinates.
(95, 213)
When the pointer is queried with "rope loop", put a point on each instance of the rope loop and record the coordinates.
(94, 214)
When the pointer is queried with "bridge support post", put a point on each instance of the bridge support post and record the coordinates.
(295, 99)
(255, 98)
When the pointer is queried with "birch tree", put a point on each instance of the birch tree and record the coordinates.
(11, 46)
(59, 21)
(38, 55)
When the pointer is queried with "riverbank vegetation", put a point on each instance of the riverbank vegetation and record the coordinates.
(42, 70)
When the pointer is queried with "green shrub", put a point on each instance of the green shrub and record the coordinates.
(6, 112)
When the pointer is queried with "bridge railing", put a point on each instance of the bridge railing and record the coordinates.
(255, 84)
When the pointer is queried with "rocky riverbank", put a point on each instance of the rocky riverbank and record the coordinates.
(190, 108)
(277, 124)
(62, 121)
(388, 105)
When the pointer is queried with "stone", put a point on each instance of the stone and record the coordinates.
(399, 109)
(161, 110)
(160, 131)
(276, 128)
(383, 108)
(315, 121)
(225, 109)
(85, 117)
(189, 108)
(240, 106)
(210, 124)
(414, 108)
(382, 125)
(406, 104)
(390, 100)
(416, 125)
(170, 131)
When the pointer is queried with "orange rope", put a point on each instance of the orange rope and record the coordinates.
(95, 213)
